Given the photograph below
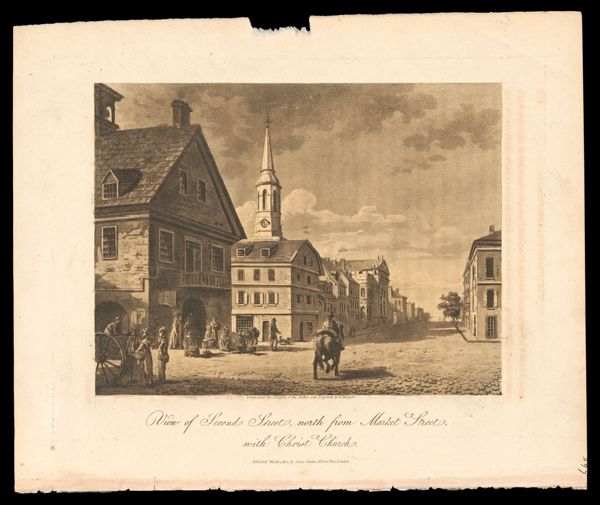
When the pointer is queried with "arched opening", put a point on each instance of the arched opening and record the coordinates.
(193, 316)
(106, 312)
(264, 199)
(162, 315)
(275, 205)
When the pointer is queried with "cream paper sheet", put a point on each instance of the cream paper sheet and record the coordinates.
(534, 434)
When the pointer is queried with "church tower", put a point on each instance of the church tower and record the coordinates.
(268, 197)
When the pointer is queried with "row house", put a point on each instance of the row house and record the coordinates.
(164, 223)
(482, 284)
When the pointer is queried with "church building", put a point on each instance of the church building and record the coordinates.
(272, 277)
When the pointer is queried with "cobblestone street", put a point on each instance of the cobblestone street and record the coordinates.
(429, 361)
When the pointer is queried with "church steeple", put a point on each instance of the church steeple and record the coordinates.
(268, 202)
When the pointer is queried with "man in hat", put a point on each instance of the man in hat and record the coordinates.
(273, 331)
(332, 325)
(162, 355)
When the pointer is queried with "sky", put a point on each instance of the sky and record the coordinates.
(408, 171)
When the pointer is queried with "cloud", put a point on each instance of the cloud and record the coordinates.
(480, 127)
(418, 254)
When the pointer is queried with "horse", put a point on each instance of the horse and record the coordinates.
(326, 347)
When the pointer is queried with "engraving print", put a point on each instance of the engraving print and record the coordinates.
(298, 239)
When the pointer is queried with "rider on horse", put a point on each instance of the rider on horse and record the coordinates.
(331, 327)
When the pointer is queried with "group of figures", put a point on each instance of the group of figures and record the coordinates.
(138, 352)
(327, 345)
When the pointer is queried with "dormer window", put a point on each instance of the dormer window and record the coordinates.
(241, 252)
(110, 190)
(265, 252)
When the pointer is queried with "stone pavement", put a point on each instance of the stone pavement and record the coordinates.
(433, 361)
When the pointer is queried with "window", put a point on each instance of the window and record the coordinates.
(109, 190)
(474, 326)
(305, 260)
(310, 262)
(275, 201)
(264, 199)
(491, 327)
(217, 263)
(201, 190)
(308, 299)
(298, 298)
(271, 274)
(193, 256)
(256, 275)
(298, 277)
(265, 252)
(489, 268)
(165, 246)
(490, 299)
(271, 298)
(240, 252)
(109, 243)
(241, 297)
(240, 275)
(257, 300)
(362, 291)
(473, 276)
(183, 182)
(310, 328)
(308, 279)
(243, 323)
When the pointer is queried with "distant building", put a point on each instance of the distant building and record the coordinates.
(164, 223)
(397, 306)
(273, 277)
(420, 314)
(346, 290)
(373, 278)
(482, 283)
(352, 313)
(328, 299)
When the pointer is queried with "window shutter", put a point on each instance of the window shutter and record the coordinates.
(495, 298)
(246, 298)
(276, 298)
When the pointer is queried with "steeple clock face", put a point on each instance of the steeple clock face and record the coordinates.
(264, 223)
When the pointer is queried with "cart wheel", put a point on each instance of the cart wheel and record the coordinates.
(110, 360)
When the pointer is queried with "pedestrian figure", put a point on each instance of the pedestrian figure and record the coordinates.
(162, 355)
(187, 326)
(143, 355)
(176, 335)
(130, 360)
(214, 331)
(273, 331)
(225, 342)
(114, 327)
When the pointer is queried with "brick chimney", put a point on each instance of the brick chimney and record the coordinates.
(181, 113)
(492, 228)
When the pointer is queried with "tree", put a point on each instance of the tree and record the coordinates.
(426, 317)
(450, 306)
